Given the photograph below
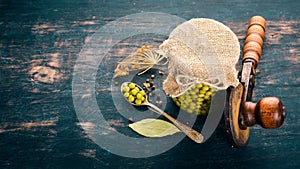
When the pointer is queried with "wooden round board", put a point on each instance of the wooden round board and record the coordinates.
(237, 136)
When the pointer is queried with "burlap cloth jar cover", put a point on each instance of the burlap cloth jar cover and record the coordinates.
(200, 50)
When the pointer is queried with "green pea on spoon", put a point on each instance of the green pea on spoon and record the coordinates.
(136, 96)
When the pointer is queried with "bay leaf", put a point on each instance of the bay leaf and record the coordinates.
(154, 128)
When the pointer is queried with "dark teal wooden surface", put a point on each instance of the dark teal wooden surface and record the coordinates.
(38, 123)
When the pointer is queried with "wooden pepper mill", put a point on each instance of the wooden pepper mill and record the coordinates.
(269, 112)
(240, 112)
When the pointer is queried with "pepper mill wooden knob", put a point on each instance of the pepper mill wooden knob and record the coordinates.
(269, 112)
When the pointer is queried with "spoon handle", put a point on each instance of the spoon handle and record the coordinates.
(191, 133)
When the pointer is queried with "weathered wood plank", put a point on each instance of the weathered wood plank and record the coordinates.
(40, 42)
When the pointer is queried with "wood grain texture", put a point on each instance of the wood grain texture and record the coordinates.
(41, 40)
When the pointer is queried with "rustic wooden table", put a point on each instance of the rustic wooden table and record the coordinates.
(41, 40)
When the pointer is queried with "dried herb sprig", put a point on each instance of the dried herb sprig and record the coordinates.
(144, 58)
